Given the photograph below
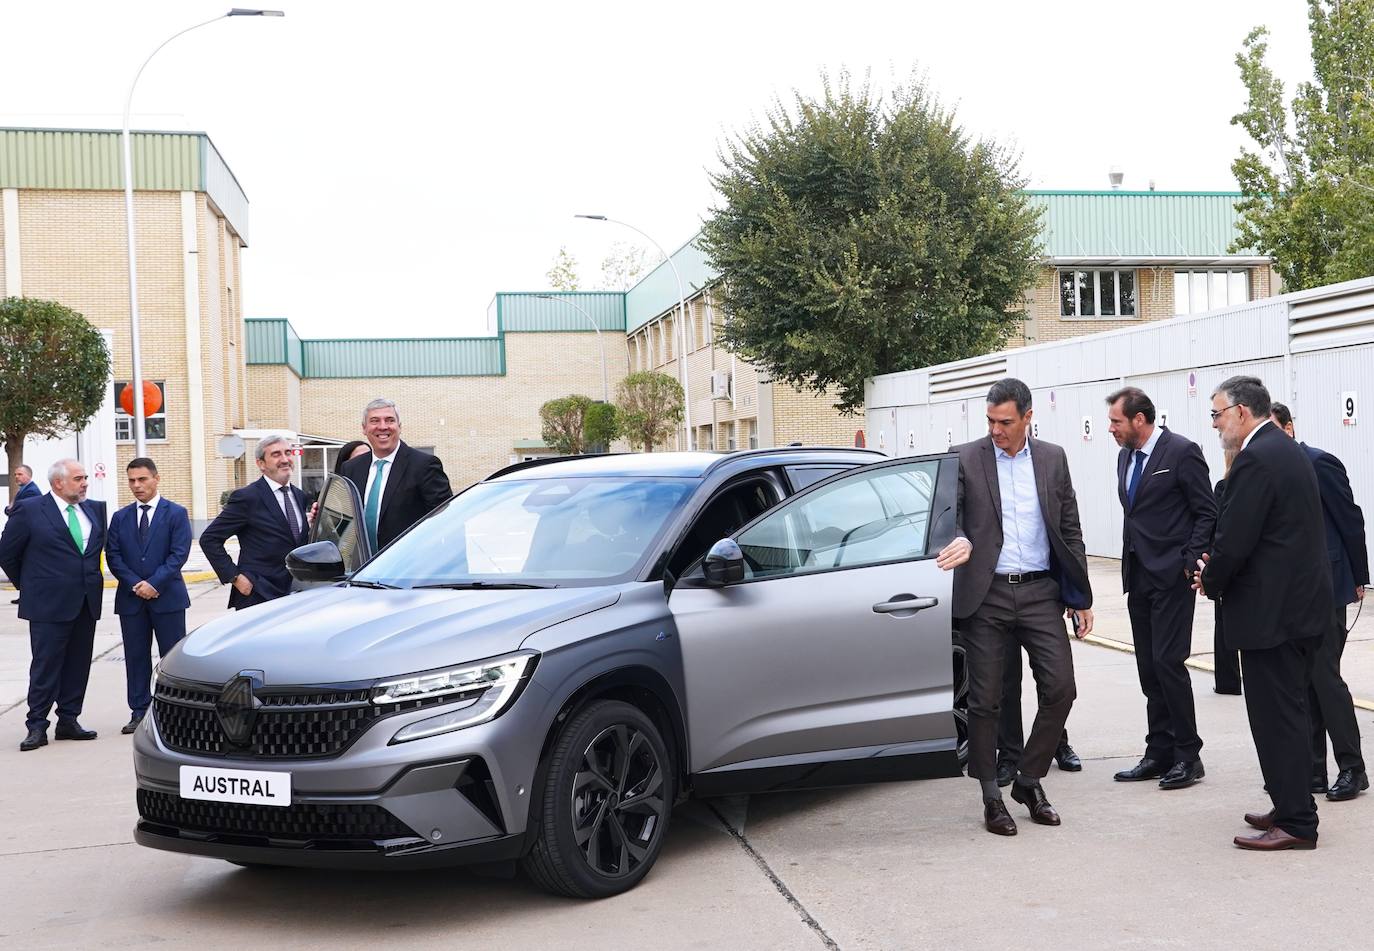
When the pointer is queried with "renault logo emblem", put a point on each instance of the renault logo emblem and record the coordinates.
(237, 707)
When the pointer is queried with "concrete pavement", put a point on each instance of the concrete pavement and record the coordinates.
(894, 866)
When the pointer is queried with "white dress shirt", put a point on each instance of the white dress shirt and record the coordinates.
(1148, 449)
(284, 500)
(152, 508)
(1246, 442)
(386, 474)
(81, 518)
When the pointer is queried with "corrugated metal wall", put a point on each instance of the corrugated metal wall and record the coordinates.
(223, 189)
(658, 292)
(443, 356)
(1137, 224)
(266, 340)
(64, 159)
(532, 313)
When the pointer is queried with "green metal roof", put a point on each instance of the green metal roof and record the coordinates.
(1130, 224)
(657, 291)
(434, 356)
(533, 312)
(92, 160)
(272, 340)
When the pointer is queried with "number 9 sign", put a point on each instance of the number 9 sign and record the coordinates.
(1349, 415)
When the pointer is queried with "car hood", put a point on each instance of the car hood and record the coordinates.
(345, 634)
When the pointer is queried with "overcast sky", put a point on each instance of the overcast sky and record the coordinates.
(404, 161)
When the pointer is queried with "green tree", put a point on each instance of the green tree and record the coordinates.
(562, 276)
(1309, 193)
(858, 235)
(54, 371)
(601, 425)
(649, 406)
(564, 424)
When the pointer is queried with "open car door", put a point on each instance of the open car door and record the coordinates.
(339, 520)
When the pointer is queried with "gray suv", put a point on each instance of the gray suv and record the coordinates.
(542, 667)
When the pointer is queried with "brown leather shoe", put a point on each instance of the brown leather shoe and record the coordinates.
(1273, 839)
(997, 819)
(1033, 798)
(1264, 821)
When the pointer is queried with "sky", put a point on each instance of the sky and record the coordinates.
(404, 161)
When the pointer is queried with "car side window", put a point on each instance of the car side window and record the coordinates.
(804, 477)
(738, 505)
(864, 519)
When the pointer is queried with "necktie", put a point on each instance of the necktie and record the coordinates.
(290, 511)
(1135, 478)
(374, 502)
(74, 527)
(143, 524)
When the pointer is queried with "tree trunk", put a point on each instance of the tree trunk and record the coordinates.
(14, 451)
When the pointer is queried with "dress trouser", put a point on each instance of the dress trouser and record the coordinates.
(1162, 628)
(1032, 616)
(1225, 660)
(1276, 684)
(60, 668)
(1332, 709)
(138, 629)
(1011, 732)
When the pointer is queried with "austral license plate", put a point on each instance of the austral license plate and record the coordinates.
(236, 785)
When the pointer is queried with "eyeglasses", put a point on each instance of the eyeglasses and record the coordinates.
(1216, 413)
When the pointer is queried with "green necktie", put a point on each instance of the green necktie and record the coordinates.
(74, 527)
(374, 498)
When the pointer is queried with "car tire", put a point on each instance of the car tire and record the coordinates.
(961, 701)
(607, 797)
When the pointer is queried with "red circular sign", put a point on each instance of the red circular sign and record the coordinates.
(152, 398)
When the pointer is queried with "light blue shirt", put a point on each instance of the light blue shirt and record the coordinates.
(1025, 543)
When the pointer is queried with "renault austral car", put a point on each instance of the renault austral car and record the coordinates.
(541, 668)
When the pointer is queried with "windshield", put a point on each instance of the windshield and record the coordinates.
(537, 533)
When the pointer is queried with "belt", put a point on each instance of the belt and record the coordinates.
(1022, 577)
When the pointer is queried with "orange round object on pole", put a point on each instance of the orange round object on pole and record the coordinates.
(152, 398)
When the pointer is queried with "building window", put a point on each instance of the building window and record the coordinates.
(1097, 293)
(752, 428)
(154, 424)
(729, 436)
(1197, 291)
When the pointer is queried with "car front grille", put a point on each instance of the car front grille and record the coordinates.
(301, 822)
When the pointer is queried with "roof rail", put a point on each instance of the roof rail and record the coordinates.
(532, 463)
(773, 450)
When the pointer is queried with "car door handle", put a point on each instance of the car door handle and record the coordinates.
(904, 603)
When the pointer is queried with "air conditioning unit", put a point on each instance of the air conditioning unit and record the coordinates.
(720, 384)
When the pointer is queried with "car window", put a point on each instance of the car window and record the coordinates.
(863, 519)
(804, 477)
(737, 506)
(336, 520)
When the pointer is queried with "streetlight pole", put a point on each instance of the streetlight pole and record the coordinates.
(681, 325)
(600, 341)
(136, 381)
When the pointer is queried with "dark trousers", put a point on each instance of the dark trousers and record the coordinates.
(1030, 616)
(138, 630)
(1162, 628)
(1276, 684)
(60, 668)
(1332, 710)
(1011, 732)
(1225, 660)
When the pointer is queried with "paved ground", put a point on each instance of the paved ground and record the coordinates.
(881, 867)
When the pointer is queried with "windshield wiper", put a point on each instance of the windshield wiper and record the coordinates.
(481, 585)
(371, 584)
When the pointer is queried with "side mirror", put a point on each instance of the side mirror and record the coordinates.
(724, 564)
(316, 562)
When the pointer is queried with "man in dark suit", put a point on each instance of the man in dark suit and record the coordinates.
(1168, 511)
(1329, 702)
(23, 477)
(149, 542)
(269, 516)
(51, 551)
(1021, 562)
(1268, 566)
(398, 485)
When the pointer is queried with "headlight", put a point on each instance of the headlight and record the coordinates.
(152, 682)
(477, 692)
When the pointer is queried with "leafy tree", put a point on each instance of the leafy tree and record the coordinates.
(601, 425)
(649, 406)
(565, 423)
(562, 275)
(858, 236)
(623, 266)
(54, 370)
(1309, 194)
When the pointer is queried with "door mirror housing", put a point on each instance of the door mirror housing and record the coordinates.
(316, 562)
(724, 564)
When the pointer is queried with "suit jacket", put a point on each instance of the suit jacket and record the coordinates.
(980, 521)
(1345, 545)
(26, 491)
(158, 561)
(1268, 564)
(255, 516)
(1170, 525)
(37, 553)
(415, 487)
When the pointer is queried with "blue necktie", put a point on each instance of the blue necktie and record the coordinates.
(290, 510)
(1135, 478)
(374, 499)
(143, 524)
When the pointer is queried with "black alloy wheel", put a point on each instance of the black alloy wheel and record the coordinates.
(961, 701)
(607, 800)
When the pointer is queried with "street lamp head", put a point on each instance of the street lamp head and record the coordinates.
(592, 217)
(245, 12)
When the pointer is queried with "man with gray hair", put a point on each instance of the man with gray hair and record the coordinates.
(398, 485)
(269, 517)
(51, 551)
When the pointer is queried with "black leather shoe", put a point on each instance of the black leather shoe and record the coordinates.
(1227, 691)
(1182, 775)
(1006, 771)
(996, 818)
(1146, 769)
(1318, 784)
(37, 737)
(132, 725)
(71, 730)
(1349, 784)
(1067, 759)
(1033, 798)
